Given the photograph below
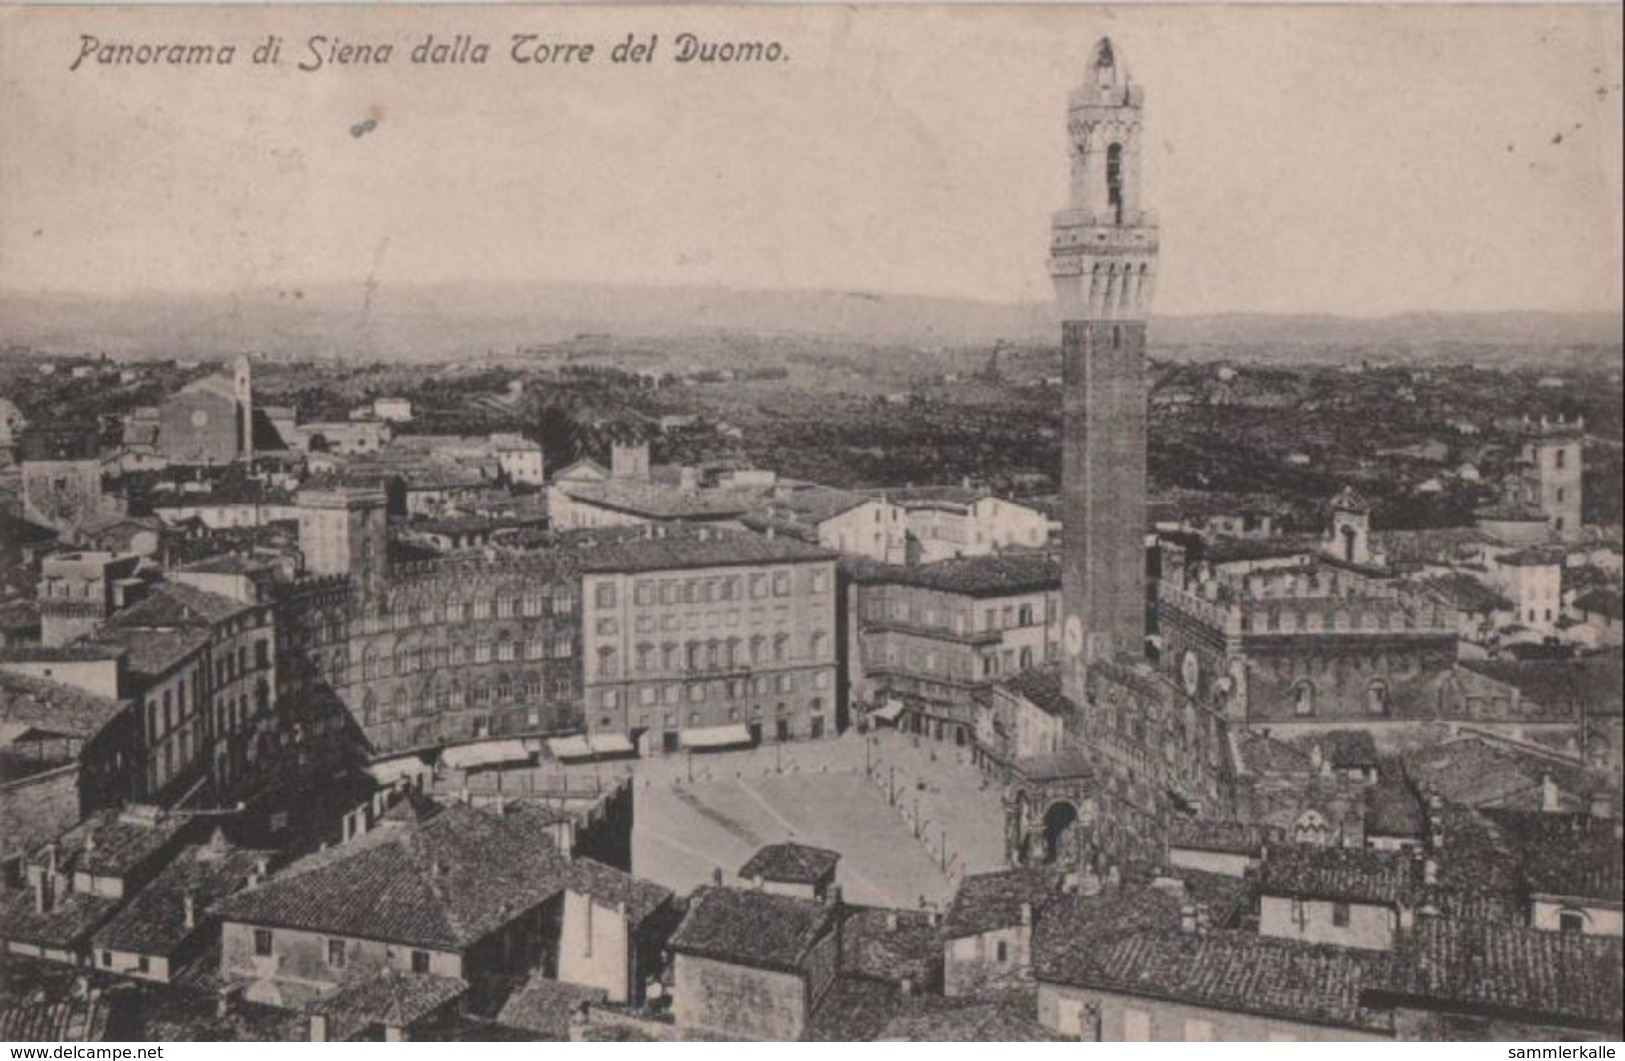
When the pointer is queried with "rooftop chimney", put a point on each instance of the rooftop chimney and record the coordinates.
(716, 876)
(1187, 919)
(189, 909)
(1551, 800)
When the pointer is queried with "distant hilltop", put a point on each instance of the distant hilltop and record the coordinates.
(431, 322)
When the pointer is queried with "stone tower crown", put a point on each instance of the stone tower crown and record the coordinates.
(1103, 247)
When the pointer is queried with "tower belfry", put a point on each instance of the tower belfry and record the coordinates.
(1103, 258)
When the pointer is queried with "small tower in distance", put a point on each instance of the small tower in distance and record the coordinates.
(1350, 539)
(1103, 260)
(242, 385)
(1552, 466)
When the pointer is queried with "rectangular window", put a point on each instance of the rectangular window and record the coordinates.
(335, 953)
(420, 961)
(1340, 915)
(262, 942)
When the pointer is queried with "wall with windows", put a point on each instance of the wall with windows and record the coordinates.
(754, 645)
(1554, 914)
(1344, 924)
(1104, 1016)
(265, 952)
(938, 648)
(456, 650)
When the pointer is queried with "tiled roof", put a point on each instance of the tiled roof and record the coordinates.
(970, 1022)
(614, 887)
(179, 604)
(988, 901)
(1074, 927)
(1600, 601)
(1340, 873)
(1212, 834)
(995, 575)
(154, 921)
(1477, 773)
(447, 883)
(1236, 971)
(544, 1006)
(813, 505)
(153, 652)
(77, 652)
(115, 843)
(791, 863)
(66, 925)
(687, 548)
(1594, 681)
(663, 502)
(1041, 687)
(1565, 854)
(1392, 807)
(749, 927)
(391, 998)
(1466, 593)
(1260, 755)
(1343, 748)
(890, 945)
(230, 564)
(58, 708)
(1477, 867)
(1551, 977)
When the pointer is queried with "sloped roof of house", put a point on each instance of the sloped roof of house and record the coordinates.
(1339, 873)
(48, 705)
(1547, 977)
(445, 883)
(1234, 970)
(985, 902)
(994, 575)
(791, 863)
(970, 1022)
(890, 945)
(391, 998)
(638, 897)
(154, 920)
(750, 927)
(1565, 854)
(544, 1006)
(173, 604)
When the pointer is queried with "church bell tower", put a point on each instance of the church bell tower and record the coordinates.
(1103, 259)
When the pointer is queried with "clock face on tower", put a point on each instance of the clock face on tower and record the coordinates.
(1190, 671)
(1074, 636)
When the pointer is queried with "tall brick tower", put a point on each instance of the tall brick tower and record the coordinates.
(1103, 259)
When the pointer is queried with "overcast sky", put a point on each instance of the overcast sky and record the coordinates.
(1309, 160)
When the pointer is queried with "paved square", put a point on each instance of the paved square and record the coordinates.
(821, 794)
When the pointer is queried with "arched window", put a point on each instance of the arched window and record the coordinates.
(369, 709)
(1114, 180)
(1304, 698)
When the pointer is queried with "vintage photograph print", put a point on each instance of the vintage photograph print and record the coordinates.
(909, 523)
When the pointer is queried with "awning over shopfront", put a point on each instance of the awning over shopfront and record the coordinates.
(486, 753)
(388, 771)
(590, 746)
(709, 738)
(890, 712)
(566, 749)
(606, 745)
